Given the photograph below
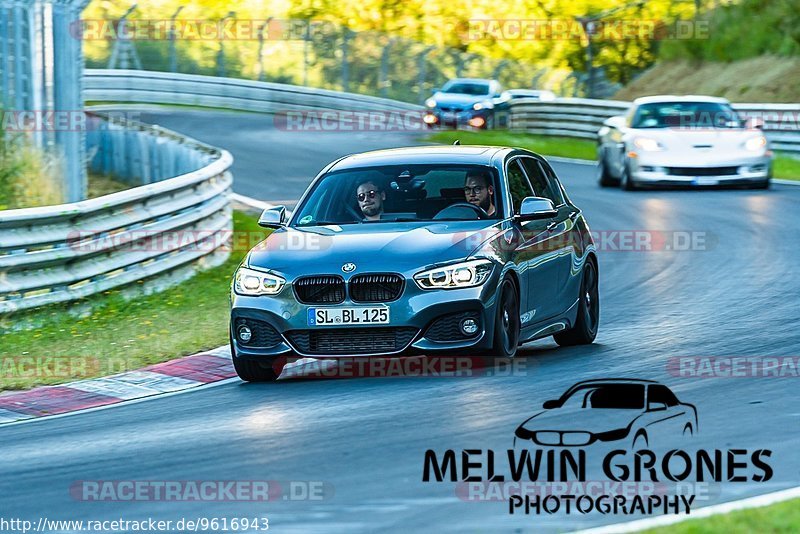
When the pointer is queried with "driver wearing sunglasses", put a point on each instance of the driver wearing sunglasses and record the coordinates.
(479, 191)
(370, 199)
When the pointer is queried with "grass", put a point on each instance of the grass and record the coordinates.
(100, 185)
(29, 176)
(546, 145)
(784, 167)
(115, 334)
(757, 79)
(778, 518)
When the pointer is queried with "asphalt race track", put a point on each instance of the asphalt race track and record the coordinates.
(737, 294)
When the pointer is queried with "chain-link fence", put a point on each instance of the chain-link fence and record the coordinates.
(302, 52)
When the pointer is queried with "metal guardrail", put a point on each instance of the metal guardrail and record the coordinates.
(582, 118)
(138, 86)
(59, 253)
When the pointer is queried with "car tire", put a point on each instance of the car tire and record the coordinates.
(625, 180)
(507, 323)
(584, 331)
(762, 185)
(267, 370)
(603, 177)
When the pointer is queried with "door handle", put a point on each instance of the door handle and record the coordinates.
(551, 225)
(573, 215)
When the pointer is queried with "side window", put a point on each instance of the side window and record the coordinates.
(555, 184)
(662, 394)
(541, 185)
(517, 184)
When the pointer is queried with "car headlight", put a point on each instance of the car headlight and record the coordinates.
(754, 144)
(254, 283)
(482, 105)
(647, 144)
(466, 274)
(431, 103)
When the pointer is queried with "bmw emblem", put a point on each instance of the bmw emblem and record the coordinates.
(348, 267)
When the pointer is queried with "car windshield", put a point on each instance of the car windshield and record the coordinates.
(686, 115)
(395, 193)
(466, 88)
(607, 396)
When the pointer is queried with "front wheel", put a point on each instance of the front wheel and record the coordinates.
(267, 370)
(507, 323)
(625, 181)
(585, 329)
(603, 176)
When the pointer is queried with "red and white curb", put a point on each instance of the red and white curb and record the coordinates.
(159, 379)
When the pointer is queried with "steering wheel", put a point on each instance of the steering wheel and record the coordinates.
(454, 211)
(356, 217)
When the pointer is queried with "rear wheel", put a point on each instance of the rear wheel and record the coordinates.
(266, 370)
(507, 323)
(585, 329)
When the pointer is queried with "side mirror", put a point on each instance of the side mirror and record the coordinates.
(754, 123)
(273, 217)
(549, 405)
(656, 406)
(533, 208)
(617, 121)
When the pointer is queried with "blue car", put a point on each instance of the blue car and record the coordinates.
(475, 102)
(462, 250)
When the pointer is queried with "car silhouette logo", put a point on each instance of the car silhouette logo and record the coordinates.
(348, 267)
(640, 412)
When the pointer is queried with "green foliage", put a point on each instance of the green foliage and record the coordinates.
(28, 176)
(401, 30)
(741, 30)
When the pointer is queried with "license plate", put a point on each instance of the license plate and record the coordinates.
(348, 316)
(447, 116)
(706, 181)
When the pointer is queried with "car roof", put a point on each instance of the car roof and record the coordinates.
(679, 98)
(471, 80)
(614, 381)
(436, 154)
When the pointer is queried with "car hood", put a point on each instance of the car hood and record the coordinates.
(585, 420)
(453, 99)
(710, 140)
(396, 247)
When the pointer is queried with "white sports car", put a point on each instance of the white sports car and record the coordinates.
(682, 140)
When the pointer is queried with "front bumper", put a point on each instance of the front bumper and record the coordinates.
(414, 312)
(658, 171)
(467, 117)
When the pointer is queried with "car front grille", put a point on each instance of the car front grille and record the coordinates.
(448, 327)
(352, 341)
(376, 287)
(262, 334)
(319, 289)
(702, 171)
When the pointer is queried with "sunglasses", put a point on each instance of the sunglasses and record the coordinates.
(474, 190)
(363, 196)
